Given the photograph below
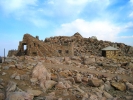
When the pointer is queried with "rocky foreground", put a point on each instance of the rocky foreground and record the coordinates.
(65, 78)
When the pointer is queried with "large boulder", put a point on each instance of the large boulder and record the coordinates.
(14, 93)
(19, 66)
(119, 86)
(63, 85)
(65, 73)
(129, 86)
(49, 84)
(67, 60)
(60, 85)
(89, 61)
(85, 79)
(107, 95)
(19, 96)
(40, 72)
(95, 82)
(34, 92)
(78, 78)
(130, 65)
(11, 87)
(107, 86)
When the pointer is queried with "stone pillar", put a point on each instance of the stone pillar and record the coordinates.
(22, 48)
(37, 37)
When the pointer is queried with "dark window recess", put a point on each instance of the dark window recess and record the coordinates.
(67, 51)
(34, 44)
(104, 53)
(34, 53)
(65, 43)
(59, 51)
(38, 45)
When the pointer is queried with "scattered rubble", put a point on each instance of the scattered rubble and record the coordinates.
(59, 80)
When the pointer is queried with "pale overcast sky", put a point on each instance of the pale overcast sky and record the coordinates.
(110, 20)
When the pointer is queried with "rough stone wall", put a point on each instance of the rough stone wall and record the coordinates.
(111, 54)
(62, 44)
(89, 46)
(64, 50)
(11, 53)
(35, 47)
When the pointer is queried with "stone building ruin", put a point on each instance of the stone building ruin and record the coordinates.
(61, 46)
(35, 47)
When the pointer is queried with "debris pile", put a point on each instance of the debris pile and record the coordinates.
(63, 78)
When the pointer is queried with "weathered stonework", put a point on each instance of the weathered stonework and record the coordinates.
(35, 47)
(74, 45)
(11, 53)
(110, 52)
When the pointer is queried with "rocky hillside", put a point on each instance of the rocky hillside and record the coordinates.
(89, 46)
(80, 46)
(65, 78)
